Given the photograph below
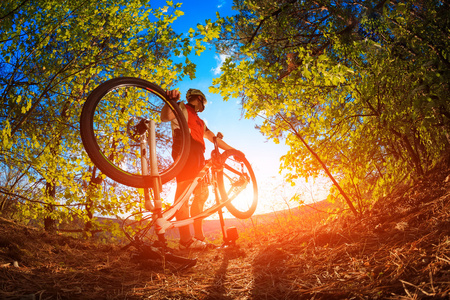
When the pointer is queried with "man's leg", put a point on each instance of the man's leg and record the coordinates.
(201, 194)
(183, 213)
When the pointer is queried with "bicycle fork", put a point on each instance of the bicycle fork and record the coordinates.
(144, 165)
(150, 137)
(161, 223)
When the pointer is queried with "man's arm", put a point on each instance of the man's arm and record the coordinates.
(166, 113)
(222, 145)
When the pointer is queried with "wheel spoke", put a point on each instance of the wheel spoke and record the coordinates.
(237, 184)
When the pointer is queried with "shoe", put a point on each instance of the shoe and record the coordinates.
(195, 244)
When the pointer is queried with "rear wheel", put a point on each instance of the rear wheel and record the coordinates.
(110, 126)
(237, 182)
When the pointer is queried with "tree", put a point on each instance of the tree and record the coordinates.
(329, 79)
(52, 54)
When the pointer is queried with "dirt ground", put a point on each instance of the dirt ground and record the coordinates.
(398, 250)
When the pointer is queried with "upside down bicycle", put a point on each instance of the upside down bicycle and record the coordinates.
(123, 135)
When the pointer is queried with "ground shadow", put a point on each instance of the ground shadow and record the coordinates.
(269, 272)
(217, 289)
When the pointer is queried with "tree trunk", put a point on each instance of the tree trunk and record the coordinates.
(49, 223)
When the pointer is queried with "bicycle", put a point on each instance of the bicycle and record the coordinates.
(123, 135)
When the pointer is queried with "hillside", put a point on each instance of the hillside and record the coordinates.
(398, 250)
(213, 230)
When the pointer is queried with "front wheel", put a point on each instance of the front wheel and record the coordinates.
(237, 183)
(111, 130)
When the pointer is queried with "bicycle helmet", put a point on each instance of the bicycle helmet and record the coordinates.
(195, 92)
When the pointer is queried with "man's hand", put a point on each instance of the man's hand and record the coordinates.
(173, 95)
(167, 114)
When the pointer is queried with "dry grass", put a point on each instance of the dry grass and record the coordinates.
(398, 250)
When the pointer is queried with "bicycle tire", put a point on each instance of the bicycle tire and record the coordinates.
(105, 140)
(230, 177)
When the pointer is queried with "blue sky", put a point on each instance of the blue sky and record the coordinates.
(227, 118)
(220, 115)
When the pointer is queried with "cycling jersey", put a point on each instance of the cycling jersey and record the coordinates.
(197, 128)
(196, 125)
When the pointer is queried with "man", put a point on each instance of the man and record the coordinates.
(196, 160)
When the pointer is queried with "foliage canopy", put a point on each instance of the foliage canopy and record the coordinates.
(52, 54)
(358, 89)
